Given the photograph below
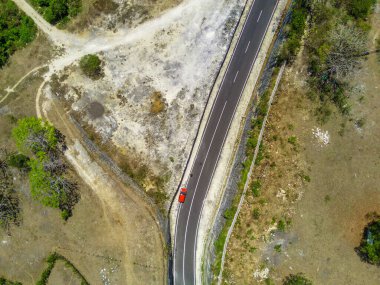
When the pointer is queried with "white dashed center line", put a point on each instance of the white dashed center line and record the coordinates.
(236, 76)
(247, 47)
(258, 19)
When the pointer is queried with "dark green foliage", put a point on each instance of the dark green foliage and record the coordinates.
(91, 66)
(4, 281)
(360, 9)
(369, 249)
(296, 279)
(16, 30)
(256, 185)
(281, 225)
(19, 161)
(57, 11)
(256, 214)
(295, 30)
(51, 260)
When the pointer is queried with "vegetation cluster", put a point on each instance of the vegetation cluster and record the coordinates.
(335, 44)
(57, 11)
(51, 261)
(296, 279)
(16, 30)
(369, 249)
(47, 170)
(91, 66)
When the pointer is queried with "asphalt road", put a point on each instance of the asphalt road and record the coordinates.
(213, 138)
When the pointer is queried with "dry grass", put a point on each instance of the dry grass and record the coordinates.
(157, 103)
(321, 194)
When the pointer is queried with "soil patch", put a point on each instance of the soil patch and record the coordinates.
(95, 110)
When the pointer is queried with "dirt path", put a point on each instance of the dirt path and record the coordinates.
(145, 261)
(12, 89)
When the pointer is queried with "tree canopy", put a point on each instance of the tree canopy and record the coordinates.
(55, 11)
(369, 248)
(16, 30)
(47, 168)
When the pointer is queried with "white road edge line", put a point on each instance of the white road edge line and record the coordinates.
(236, 75)
(175, 240)
(247, 47)
(195, 191)
(258, 19)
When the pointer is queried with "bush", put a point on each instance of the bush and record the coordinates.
(369, 249)
(296, 279)
(256, 185)
(91, 66)
(19, 161)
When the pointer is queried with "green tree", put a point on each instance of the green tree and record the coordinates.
(47, 168)
(296, 279)
(91, 66)
(32, 134)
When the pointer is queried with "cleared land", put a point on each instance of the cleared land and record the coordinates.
(316, 187)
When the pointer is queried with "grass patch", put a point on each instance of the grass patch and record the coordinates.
(277, 248)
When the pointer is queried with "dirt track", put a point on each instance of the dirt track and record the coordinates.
(142, 238)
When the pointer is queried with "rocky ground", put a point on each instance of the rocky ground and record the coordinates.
(149, 102)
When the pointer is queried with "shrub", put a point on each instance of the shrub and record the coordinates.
(256, 213)
(256, 185)
(19, 161)
(91, 66)
(292, 140)
(296, 279)
(369, 248)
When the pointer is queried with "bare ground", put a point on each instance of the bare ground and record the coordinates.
(323, 218)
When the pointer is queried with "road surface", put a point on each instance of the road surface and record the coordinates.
(213, 138)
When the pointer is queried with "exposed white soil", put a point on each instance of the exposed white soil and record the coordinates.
(178, 55)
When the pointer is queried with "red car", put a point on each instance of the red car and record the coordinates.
(182, 195)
